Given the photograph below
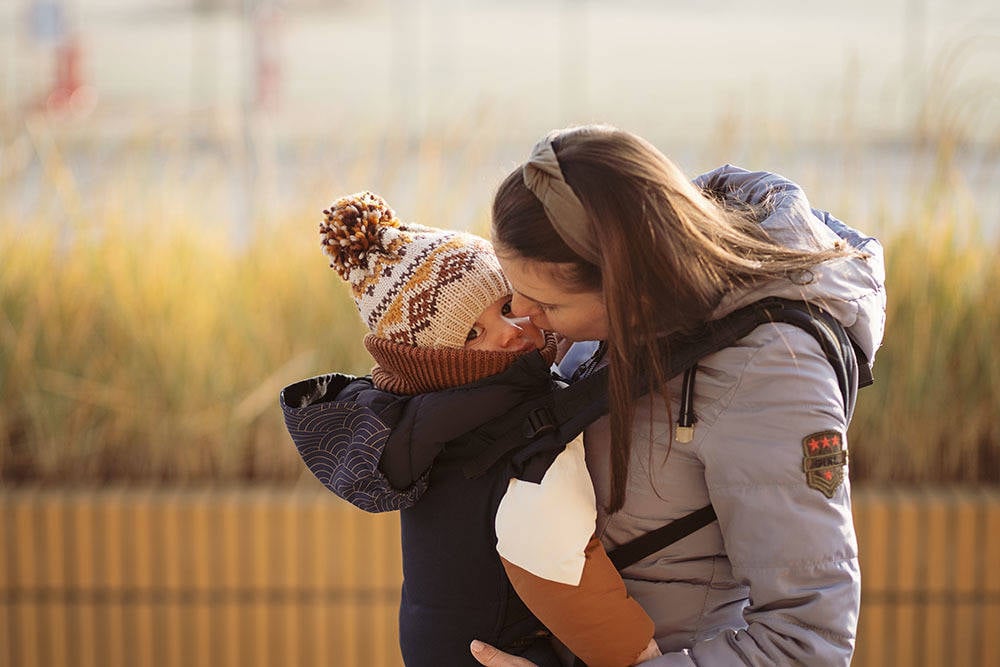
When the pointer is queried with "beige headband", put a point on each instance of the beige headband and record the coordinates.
(544, 178)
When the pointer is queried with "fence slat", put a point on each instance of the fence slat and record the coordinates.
(6, 627)
(54, 553)
(230, 650)
(871, 516)
(27, 635)
(293, 545)
(908, 540)
(114, 507)
(936, 548)
(991, 613)
(320, 564)
(84, 577)
(966, 568)
(171, 554)
(8, 578)
(350, 554)
(195, 571)
(138, 575)
(7, 540)
(256, 524)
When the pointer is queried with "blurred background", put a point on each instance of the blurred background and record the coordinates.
(163, 166)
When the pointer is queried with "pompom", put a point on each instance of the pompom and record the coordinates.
(356, 229)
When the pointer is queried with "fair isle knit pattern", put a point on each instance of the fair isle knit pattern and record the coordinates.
(413, 285)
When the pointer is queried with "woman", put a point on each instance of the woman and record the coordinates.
(603, 238)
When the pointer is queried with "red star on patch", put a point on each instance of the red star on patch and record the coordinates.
(827, 474)
(813, 445)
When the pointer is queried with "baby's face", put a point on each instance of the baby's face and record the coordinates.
(495, 330)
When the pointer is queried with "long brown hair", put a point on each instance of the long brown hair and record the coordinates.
(669, 253)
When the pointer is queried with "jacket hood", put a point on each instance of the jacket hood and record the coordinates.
(852, 289)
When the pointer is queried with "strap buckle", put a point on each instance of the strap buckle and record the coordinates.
(538, 421)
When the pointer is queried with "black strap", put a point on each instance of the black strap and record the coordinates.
(635, 550)
(560, 415)
(564, 414)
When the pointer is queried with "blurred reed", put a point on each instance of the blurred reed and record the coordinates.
(139, 342)
(932, 413)
(147, 347)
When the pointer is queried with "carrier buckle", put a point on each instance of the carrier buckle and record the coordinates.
(538, 421)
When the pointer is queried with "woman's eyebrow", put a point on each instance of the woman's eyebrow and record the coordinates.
(533, 299)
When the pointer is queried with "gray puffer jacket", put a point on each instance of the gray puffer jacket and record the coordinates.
(776, 579)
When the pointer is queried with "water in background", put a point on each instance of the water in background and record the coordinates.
(277, 104)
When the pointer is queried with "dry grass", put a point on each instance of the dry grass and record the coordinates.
(932, 413)
(152, 350)
(137, 343)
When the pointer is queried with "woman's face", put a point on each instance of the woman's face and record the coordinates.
(542, 297)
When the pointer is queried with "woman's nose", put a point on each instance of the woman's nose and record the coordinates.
(519, 306)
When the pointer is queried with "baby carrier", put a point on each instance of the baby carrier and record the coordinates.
(454, 587)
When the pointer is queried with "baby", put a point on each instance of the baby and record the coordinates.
(449, 359)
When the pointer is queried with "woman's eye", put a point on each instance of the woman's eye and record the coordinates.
(474, 333)
(505, 309)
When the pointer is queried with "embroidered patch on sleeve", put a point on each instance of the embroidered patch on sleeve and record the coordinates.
(824, 460)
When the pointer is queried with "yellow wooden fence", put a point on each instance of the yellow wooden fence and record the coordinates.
(282, 578)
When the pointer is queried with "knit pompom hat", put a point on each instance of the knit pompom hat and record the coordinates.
(418, 289)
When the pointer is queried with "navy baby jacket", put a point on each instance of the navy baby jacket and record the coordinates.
(375, 449)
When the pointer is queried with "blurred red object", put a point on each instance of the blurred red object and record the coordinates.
(69, 93)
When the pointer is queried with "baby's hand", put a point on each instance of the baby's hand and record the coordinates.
(648, 653)
(494, 657)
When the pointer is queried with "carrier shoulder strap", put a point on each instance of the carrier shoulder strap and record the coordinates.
(559, 416)
(635, 550)
(585, 400)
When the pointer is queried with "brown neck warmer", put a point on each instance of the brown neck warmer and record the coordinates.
(404, 369)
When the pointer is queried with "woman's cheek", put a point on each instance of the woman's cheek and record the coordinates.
(565, 327)
(542, 322)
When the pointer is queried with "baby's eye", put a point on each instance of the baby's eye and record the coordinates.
(474, 333)
(505, 309)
